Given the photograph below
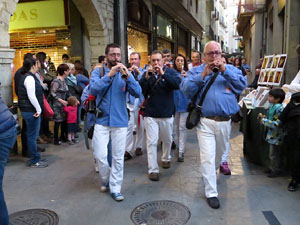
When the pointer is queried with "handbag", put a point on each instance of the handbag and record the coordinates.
(47, 112)
(195, 111)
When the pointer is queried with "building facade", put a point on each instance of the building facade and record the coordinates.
(82, 29)
(270, 27)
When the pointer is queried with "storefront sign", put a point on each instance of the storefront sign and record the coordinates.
(38, 14)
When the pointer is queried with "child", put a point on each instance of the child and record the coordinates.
(71, 111)
(274, 131)
(290, 118)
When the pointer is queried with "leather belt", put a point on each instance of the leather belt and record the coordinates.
(218, 118)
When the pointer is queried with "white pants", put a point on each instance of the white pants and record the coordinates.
(129, 137)
(113, 175)
(180, 130)
(158, 127)
(140, 132)
(226, 153)
(213, 137)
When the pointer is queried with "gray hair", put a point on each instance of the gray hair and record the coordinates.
(212, 42)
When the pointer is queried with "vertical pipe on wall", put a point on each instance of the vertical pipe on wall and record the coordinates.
(117, 28)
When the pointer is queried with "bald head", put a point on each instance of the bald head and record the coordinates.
(212, 51)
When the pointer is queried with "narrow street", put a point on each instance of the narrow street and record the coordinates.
(70, 187)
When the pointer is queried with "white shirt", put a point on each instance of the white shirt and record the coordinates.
(29, 84)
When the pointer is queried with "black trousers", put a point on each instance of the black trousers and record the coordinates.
(294, 149)
(63, 130)
(24, 138)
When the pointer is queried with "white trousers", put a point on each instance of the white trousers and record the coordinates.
(156, 127)
(140, 132)
(226, 153)
(180, 130)
(113, 175)
(213, 137)
(129, 137)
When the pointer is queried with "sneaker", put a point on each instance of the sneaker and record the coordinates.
(166, 165)
(75, 141)
(138, 151)
(181, 157)
(39, 164)
(117, 196)
(293, 185)
(57, 142)
(213, 202)
(70, 142)
(225, 169)
(44, 159)
(104, 187)
(154, 176)
(127, 156)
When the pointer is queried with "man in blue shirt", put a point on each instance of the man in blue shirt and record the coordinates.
(213, 130)
(112, 117)
(134, 147)
(245, 65)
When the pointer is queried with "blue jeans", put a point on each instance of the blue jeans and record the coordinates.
(7, 141)
(33, 127)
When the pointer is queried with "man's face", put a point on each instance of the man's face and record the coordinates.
(156, 60)
(167, 57)
(65, 60)
(135, 60)
(114, 56)
(195, 57)
(243, 61)
(212, 52)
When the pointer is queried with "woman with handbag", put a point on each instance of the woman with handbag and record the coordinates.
(59, 93)
(31, 104)
(181, 103)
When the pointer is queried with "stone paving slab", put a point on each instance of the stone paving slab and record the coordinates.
(70, 187)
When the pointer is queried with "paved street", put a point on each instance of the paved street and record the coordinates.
(70, 187)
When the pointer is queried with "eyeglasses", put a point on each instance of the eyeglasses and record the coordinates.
(217, 53)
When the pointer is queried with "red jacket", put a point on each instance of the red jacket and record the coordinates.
(71, 113)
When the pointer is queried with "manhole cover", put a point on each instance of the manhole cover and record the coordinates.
(161, 212)
(34, 217)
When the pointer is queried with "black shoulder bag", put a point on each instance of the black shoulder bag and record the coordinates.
(99, 112)
(195, 111)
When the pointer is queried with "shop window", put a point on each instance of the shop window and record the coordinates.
(138, 42)
(53, 42)
(163, 44)
(138, 13)
(164, 27)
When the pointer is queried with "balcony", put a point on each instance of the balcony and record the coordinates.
(246, 11)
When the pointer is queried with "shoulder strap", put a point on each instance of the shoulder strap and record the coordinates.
(206, 89)
(102, 71)
(105, 93)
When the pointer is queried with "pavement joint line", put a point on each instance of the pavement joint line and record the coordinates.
(271, 218)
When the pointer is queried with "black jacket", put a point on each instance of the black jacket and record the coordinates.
(159, 95)
(7, 120)
(23, 100)
(290, 116)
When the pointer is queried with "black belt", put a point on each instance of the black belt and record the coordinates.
(218, 118)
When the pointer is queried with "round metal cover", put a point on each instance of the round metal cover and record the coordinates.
(162, 212)
(34, 217)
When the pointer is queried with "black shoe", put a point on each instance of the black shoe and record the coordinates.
(173, 145)
(293, 185)
(127, 156)
(63, 139)
(79, 129)
(25, 154)
(154, 176)
(213, 202)
(273, 174)
(268, 171)
(39, 149)
(76, 136)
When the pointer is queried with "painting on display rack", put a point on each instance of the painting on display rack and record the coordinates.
(272, 70)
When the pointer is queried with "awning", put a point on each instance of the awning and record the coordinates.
(180, 14)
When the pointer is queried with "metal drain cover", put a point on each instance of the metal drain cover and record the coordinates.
(162, 212)
(34, 217)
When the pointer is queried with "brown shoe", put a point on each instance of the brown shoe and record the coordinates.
(127, 156)
(166, 165)
(154, 176)
(138, 151)
(41, 141)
